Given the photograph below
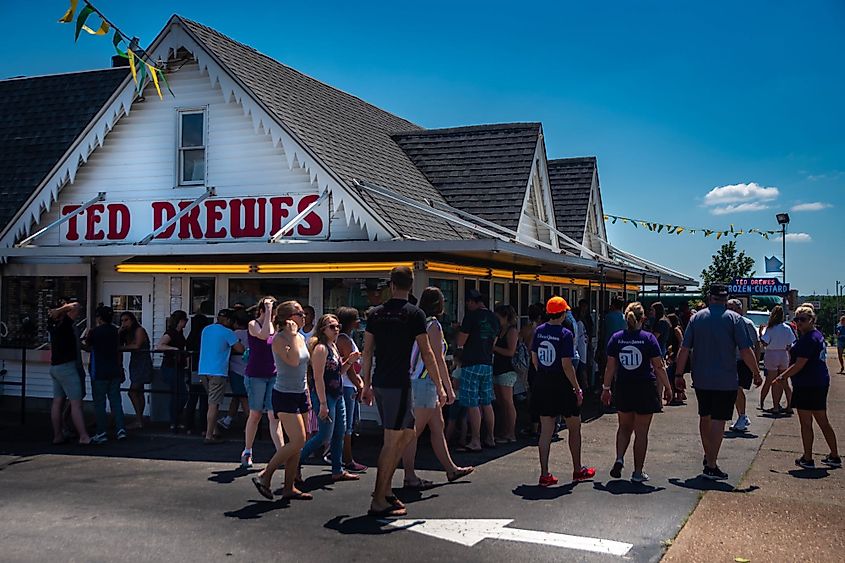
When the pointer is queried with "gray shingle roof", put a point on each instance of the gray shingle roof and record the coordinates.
(40, 117)
(571, 180)
(349, 135)
(481, 169)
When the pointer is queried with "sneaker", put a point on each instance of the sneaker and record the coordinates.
(225, 423)
(616, 472)
(584, 474)
(548, 480)
(355, 467)
(639, 477)
(327, 459)
(100, 438)
(714, 474)
(246, 460)
(741, 424)
(805, 463)
(121, 434)
(831, 461)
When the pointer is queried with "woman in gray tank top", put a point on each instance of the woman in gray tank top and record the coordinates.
(290, 399)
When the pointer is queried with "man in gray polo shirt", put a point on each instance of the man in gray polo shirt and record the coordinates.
(714, 334)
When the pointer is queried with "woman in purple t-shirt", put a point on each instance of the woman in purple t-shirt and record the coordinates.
(811, 382)
(635, 359)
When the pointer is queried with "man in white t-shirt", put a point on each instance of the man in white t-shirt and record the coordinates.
(744, 374)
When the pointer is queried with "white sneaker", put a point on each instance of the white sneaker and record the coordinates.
(639, 477)
(741, 424)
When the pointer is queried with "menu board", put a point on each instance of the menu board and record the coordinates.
(29, 298)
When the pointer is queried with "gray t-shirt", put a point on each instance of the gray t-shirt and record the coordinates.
(752, 334)
(714, 334)
(292, 379)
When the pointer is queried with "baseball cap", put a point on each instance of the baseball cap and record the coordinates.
(719, 290)
(226, 314)
(474, 295)
(556, 305)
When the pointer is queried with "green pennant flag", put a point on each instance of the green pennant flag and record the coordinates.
(707, 232)
(660, 228)
(142, 74)
(80, 20)
(614, 219)
(116, 41)
(166, 85)
(634, 223)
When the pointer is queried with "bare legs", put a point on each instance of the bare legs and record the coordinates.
(395, 442)
(211, 420)
(547, 429)
(638, 425)
(507, 412)
(76, 416)
(288, 454)
(805, 418)
(740, 402)
(136, 397)
(252, 428)
(712, 432)
(433, 418)
(474, 416)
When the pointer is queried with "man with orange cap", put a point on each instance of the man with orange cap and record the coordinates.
(557, 391)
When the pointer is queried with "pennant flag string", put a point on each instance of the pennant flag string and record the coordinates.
(678, 229)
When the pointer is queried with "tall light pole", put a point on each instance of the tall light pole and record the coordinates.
(783, 221)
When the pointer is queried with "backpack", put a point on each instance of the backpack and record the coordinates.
(520, 358)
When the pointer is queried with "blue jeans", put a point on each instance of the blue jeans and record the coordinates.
(350, 401)
(107, 388)
(332, 429)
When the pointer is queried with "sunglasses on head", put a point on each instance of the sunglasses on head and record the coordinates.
(802, 319)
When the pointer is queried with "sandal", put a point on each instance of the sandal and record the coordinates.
(298, 495)
(389, 512)
(419, 484)
(459, 474)
(263, 489)
(345, 476)
(395, 501)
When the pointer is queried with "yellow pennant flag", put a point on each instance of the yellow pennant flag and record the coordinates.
(131, 56)
(679, 230)
(68, 17)
(154, 74)
(104, 28)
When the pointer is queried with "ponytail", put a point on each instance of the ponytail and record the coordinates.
(634, 314)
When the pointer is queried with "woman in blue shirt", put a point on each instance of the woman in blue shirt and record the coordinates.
(840, 342)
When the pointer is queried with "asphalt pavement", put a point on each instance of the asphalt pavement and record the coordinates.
(159, 497)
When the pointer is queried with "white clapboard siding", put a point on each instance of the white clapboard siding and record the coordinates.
(138, 157)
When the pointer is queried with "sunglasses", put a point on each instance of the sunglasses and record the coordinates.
(802, 319)
(333, 327)
(298, 314)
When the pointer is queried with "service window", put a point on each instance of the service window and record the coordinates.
(247, 291)
(536, 296)
(449, 288)
(26, 301)
(127, 304)
(498, 294)
(191, 147)
(203, 296)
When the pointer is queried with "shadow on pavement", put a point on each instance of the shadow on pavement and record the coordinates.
(536, 492)
(229, 475)
(730, 434)
(817, 473)
(624, 487)
(365, 525)
(257, 508)
(702, 484)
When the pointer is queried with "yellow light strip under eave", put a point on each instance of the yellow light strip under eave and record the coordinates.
(444, 268)
(316, 268)
(183, 268)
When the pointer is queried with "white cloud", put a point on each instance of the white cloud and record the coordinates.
(814, 206)
(796, 237)
(738, 208)
(740, 193)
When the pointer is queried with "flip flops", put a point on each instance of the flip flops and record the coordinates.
(459, 474)
(263, 489)
(299, 495)
(419, 485)
(389, 512)
(345, 476)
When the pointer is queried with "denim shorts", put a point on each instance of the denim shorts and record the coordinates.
(66, 381)
(425, 393)
(506, 379)
(259, 392)
(476, 385)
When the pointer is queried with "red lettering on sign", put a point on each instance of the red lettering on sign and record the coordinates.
(279, 210)
(119, 221)
(213, 214)
(72, 223)
(312, 224)
(94, 216)
(250, 213)
(189, 224)
(163, 211)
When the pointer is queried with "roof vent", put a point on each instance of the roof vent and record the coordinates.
(117, 61)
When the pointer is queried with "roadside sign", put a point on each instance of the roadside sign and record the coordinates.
(816, 304)
(773, 265)
(758, 286)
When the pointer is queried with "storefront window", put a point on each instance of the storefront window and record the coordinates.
(547, 292)
(361, 293)
(498, 294)
(26, 301)
(249, 291)
(127, 304)
(535, 295)
(450, 307)
(202, 296)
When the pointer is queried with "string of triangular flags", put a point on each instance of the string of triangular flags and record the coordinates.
(140, 64)
(680, 229)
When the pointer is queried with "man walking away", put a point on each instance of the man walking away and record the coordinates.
(714, 334)
(64, 350)
(106, 371)
(218, 342)
(392, 330)
(744, 374)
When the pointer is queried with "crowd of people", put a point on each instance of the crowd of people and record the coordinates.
(309, 377)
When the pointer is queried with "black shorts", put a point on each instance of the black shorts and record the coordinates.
(290, 403)
(717, 404)
(554, 398)
(746, 378)
(395, 407)
(637, 396)
(809, 398)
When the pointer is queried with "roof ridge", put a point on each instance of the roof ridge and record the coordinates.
(571, 159)
(471, 128)
(91, 70)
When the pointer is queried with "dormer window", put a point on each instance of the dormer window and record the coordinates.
(191, 137)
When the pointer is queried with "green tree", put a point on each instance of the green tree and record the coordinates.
(726, 265)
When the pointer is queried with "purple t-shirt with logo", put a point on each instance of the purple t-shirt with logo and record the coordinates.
(634, 350)
(812, 347)
(552, 343)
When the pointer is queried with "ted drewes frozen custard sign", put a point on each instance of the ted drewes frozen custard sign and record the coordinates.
(758, 286)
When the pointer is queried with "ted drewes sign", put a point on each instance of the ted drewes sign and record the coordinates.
(758, 286)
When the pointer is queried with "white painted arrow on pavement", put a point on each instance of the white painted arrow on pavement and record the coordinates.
(472, 531)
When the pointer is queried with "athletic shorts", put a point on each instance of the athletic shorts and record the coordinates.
(639, 397)
(395, 407)
(215, 387)
(259, 392)
(507, 379)
(554, 397)
(476, 385)
(290, 403)
(424, 393)
(809, 398)
(66, 382)
(717, 404)
(776, 359)
(746, 378)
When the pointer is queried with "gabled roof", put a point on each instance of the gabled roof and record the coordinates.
(350, 136)
(42, 116)
(571, 182)
(482, 169)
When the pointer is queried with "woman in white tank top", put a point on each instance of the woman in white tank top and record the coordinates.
(777, 338)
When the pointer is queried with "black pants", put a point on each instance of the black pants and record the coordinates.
(196, 397)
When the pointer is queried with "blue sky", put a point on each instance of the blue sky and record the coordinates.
(675, 99)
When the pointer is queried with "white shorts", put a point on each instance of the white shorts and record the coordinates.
(776, 359)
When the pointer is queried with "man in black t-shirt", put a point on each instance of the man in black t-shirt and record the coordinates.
(64, 351)
(106, 369)
(392, 329)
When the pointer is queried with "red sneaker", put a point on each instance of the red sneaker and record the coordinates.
(548, 480)
(584, 474)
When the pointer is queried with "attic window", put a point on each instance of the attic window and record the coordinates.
(191, 147)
